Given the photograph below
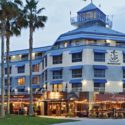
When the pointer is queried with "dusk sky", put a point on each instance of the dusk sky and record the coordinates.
(58, 12)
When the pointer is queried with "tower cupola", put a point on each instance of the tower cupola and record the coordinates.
(90, 15)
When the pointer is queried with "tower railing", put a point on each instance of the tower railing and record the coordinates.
(77, 21)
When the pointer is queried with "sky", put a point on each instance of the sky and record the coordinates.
(58, 13)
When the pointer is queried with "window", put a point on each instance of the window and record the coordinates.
(21, 90)
(46, 75)
(57, 59)
(43, 64)
(21, 81)
(46, 61)
(36, 80)
(123, 73)
(43, 77)
(24, 57)
(77, 57)
(124, 58)
(57, 74)
(6, 84)
(36, 68)
(99, 72)
(99, 57)
(76, 73)
(38, 55)
(21, 69)
(57, 87)
(77, 87)
(124, 87)
(100, 87)
(6, 71)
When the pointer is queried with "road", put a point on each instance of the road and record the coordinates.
(97, 122)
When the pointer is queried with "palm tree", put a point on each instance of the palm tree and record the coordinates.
(33, 19)
(8, 14)
(11, 28)
(2, 23)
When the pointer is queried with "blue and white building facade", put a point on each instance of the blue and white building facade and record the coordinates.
(90, 58)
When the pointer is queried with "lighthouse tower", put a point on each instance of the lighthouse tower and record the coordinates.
(89, 15)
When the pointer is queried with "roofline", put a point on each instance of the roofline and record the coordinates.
(28, 49)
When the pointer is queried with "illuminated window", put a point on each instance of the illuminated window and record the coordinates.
(57, 87)
(21, 81)
(36, 68)
(36, 80)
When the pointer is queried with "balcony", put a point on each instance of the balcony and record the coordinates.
(77, 21)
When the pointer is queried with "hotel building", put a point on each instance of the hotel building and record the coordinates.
(84, 68)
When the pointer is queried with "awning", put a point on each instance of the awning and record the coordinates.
(75, 51)
(56, 54)
(123, 67)
(35, 86)
(76, 67)
(75, 81)
(20, 64)
(20, 87)
(99, 51)
(99, 81)
(56, 68)
(56, 82)
(100, 67)
(36, 62)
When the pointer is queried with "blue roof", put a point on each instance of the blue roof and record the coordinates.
(91, 6)
(92, 32)
(26, 51)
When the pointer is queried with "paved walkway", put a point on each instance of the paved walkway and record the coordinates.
(97, 122)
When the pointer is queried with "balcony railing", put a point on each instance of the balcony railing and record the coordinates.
(99, 89)
(79, 21)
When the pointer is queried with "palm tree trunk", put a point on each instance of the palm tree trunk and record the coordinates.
(8, 73)
(2, 71)
(31, 112)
